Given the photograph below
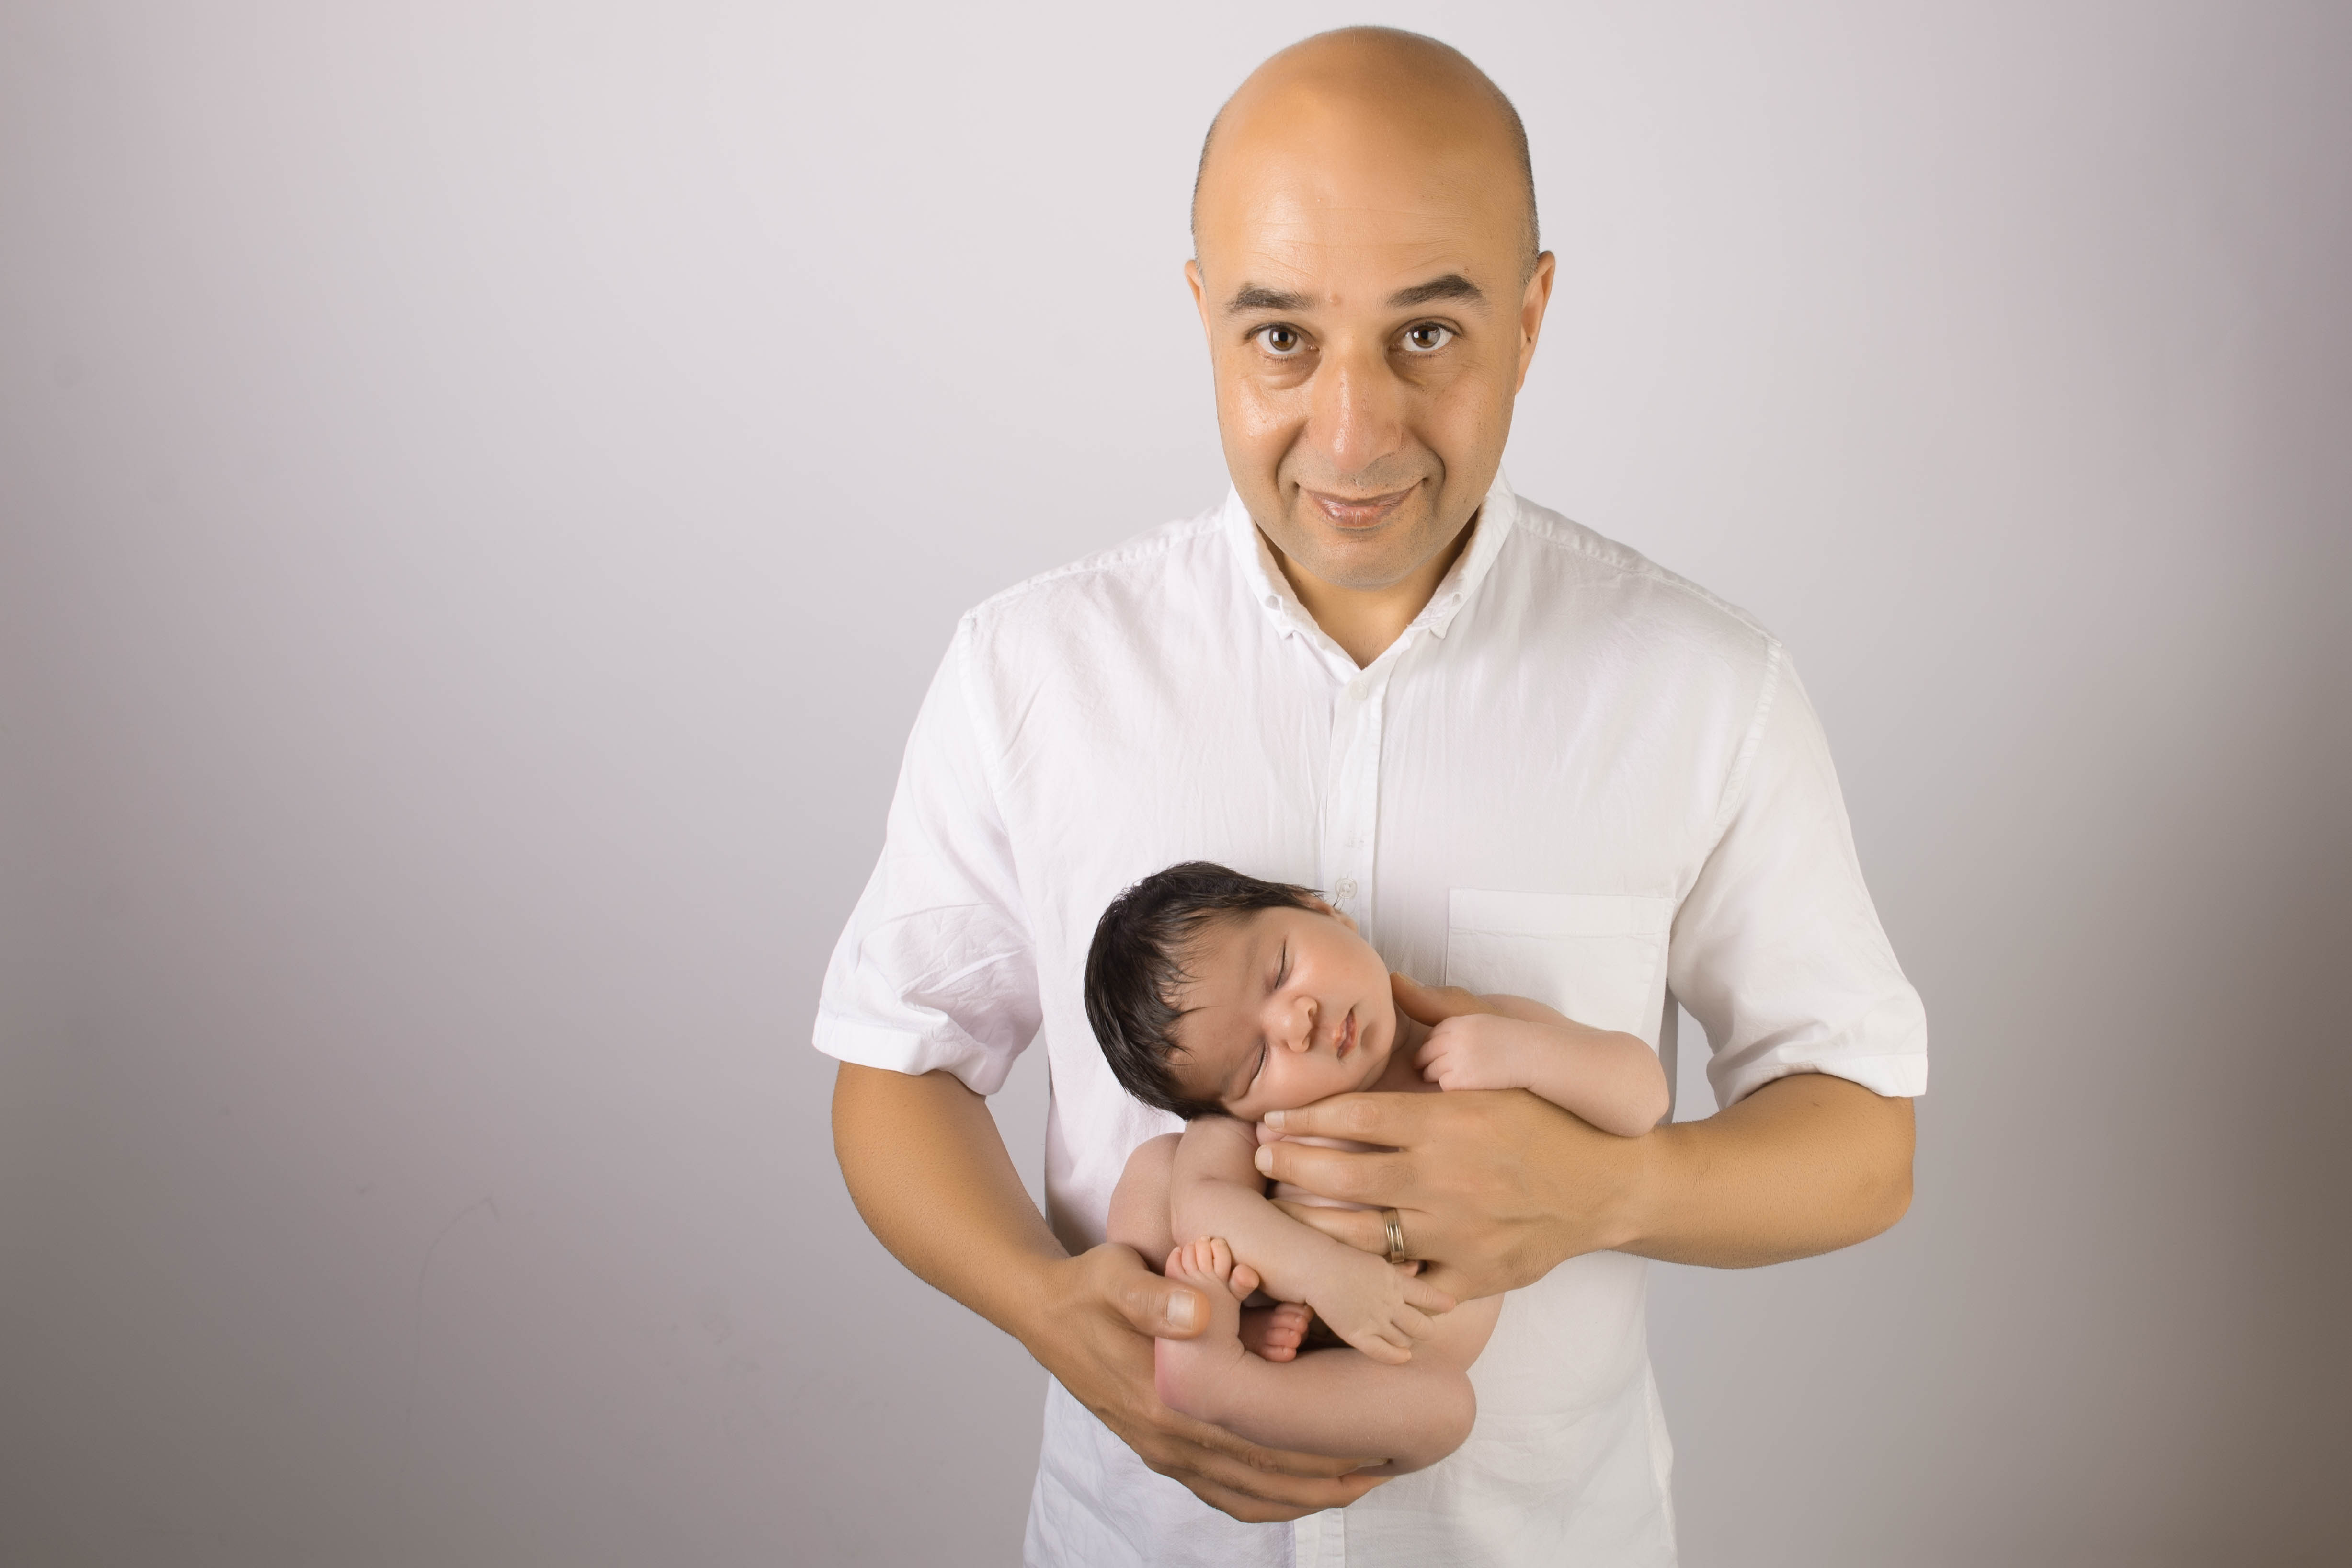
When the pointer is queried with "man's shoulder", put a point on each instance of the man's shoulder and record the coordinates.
(1617, 581)
(1135, 595)
(1140, 577)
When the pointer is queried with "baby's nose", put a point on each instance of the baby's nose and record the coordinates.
(1302, 1026)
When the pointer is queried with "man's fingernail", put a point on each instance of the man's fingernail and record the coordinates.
(1274, 1118)
(1264, 1158)
(1183, 1309)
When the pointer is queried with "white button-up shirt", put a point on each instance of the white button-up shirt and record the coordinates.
(1575, 777)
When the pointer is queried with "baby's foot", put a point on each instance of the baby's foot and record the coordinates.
(1270, 1333)
(1276, 1332)
(1190, 1374)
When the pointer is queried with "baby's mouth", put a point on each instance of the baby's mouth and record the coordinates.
(1347, 1041)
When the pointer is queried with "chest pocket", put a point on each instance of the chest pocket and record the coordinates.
(1600, 958)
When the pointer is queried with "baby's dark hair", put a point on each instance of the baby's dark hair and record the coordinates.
(1137, 964)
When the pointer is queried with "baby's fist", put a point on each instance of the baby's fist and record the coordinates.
(1473, 1050)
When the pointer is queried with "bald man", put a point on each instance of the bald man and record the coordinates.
(1523, 758)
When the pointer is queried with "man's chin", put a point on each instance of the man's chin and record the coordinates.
(1368, 560)
(1358, 565)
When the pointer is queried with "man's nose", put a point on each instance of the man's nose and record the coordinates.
(1357, 417)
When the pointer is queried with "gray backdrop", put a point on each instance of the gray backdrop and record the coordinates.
(482, 488)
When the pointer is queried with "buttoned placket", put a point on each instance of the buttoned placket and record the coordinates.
(1347, 851)
(1351, 794)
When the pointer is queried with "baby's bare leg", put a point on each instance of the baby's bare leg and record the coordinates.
(1139, 1205)
(1336, 1402)
(1139, 1218)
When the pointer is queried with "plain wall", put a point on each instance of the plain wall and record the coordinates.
(483, 485)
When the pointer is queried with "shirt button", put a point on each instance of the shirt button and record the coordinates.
(1346, 888)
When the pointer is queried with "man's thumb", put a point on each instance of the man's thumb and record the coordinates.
(1165, 1310)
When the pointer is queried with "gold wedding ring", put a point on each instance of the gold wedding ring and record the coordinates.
(1396, 1235)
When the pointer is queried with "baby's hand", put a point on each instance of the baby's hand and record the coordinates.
(1377, 1307)
(1478, 1050)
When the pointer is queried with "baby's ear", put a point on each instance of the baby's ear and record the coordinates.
(1346, 920)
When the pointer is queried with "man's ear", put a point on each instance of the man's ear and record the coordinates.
(1200, 292)
(1534, 300)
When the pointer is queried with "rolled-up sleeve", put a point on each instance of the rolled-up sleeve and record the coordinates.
(1776, 949)
(936, 969)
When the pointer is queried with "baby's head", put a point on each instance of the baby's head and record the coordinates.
(1218, 994)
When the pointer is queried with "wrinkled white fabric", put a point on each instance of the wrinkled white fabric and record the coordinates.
(1576, 777)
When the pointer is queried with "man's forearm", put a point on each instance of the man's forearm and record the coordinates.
(1806, 1164)
(930, 1174)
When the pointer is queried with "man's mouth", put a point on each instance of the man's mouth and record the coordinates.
(1357, 512)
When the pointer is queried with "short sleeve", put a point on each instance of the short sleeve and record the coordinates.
(1776, 949)
(935, 969)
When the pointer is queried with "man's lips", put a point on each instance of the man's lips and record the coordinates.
(1356, 512)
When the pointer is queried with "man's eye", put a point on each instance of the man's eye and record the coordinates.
(1426, 338)
(1280, 340)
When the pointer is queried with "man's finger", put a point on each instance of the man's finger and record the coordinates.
(1235, 1462)
(1251, 1507)
(1255, 1459)
(1257, 1495)
(1351, 1177)
(1395, 1120)
(1454, 1283)
(1362, 1229)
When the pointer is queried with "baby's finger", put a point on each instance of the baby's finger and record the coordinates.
(1386, 1352)
(1412, 1324)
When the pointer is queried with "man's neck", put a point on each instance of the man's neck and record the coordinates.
(1365, 621)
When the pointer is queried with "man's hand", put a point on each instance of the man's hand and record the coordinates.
(1495, 1188)
(1095, 1336)
(928, 1172)
(1492, 1189)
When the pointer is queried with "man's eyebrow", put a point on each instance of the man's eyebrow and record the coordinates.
(1453, 286)
(1258, 297)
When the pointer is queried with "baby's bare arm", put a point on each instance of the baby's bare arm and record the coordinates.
(1607, 1078)
(1216, 1190)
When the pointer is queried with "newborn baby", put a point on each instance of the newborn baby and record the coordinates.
(1223, 997)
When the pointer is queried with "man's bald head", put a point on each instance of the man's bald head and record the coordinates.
(1364, 262)
(1382, 77)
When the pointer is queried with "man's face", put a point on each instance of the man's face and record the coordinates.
(1370, 316)
(1284, 1007)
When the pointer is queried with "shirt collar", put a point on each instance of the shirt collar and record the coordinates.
(1496, 515)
